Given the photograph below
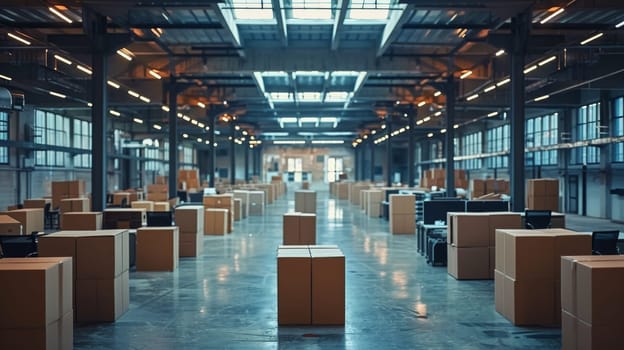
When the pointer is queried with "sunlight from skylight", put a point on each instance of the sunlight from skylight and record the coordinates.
(252, 9)
(308, 73)
(275, 74)
(336, 96)
(311, 9)
(281, 96)
(309, 96)
(369, 9)
(345, 73)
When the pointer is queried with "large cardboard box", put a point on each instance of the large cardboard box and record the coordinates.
(468, 263)
(403, 224)
(102, 300)
(190, 219)
(468, 229)
(294, 287)
(290, 229)
(31, 219)
(527, 255)
(162, 206)
(191, 244)
(157, 248)
(307, 228)
(502, 220)
(102, 254)
(124, 218)
(569, 331)
(215, 221)
(305, 201)
(238, 209)
(402, 204)
(36, 202)
(529, 302)
(82, 221)
(499, 292)
(256, 203)
(10, 226)
(598, 337)
(328, 286)
(147, 205)
(375, 197)
(120, 198)
(56, 335)
(74, 205)
(599, 290)
(299, 228)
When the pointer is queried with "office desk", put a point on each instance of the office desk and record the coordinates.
(423, 231)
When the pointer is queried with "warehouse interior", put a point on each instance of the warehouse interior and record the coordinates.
(520, 101)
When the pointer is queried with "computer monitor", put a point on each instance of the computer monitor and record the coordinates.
(485, 206)
(159, 218)
(537, 219)
(436, 210)
(196, 197)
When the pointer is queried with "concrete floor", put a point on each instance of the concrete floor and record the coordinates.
(226, 299)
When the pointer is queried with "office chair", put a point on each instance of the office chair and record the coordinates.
(159, 218)
(605, 243)
(19, 246)
(124, 203)
(196, 197)
(537, 219)
(51, 217)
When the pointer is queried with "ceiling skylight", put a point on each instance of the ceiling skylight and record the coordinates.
(311, 9)
(336, 96)
(252, 9)
(309, 96)
(369, 9)
(281, 96)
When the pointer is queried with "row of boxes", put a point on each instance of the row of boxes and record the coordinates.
(310, 285)
(356, 190)
(543, 194)
(190, 222)
(528, 272)
(221, 201)
(373, 199)
(471, 242)
(32, 219)
(402, 213)
(157, 192)
(67, 189)
(299, 228)
(100, 270)
(188, 179)
(305, 201)
(481, 187)
(87, 221)
(157, 248)
(37, 304)
(37, 202)
(216, 221)
(151, 205)
(10, 226)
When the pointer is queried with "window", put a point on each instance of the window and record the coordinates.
(540, 132)
(4, 135)
(587, 128)
(498, 140)
(618, 129)
(295, 166)
(51, 129)
(311, 9)
(472, 145)
(152, 155)
(334, 168)
(253, 9)
(187, 156)
(436, 150)
(369, 9)
(82, 140)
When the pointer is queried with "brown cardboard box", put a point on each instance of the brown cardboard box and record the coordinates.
(191, 244)
(328, 287)
(118, 198)
(31, 299)
(9, 226)
(492, 251)
(31, 219)
(307, 228)
(60, 244)
(569, 243)
(82, 221)
(529, 302)
(256, 203)
(305, 201)
(74, 205)
(33, 338)
(403, 224)
(161, 206)
(569, 331)
(468, 263)
(123, 218)
(238, 209)
(147, 205)
(152, 196)
(373, 207)
(102, 254)
(468, 229)
(290, 230)
(528, 255)
(76, 188)
(598, 337)
(402, 204)
(599, 290)
(294, 287)
(190, 219)
(502, 220)
(215, 221)
(36, 202)
(218, 201)
(499, 292)
(157, 248)
(103, 300)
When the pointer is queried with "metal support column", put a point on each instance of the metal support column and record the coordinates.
(389, 150)
(210, 116)
(411, 146)
(372, 164)
(99, 115)
(520, 26)
(232, 154)
(246, 177)
(449, 137)
(254, 160)
(356, 163)
(173, 138)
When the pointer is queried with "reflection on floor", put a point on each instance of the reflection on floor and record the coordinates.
(227, 297)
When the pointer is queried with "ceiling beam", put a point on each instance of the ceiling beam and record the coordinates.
(341, 14)
(227, 21)
(280, 16)
(393, 28)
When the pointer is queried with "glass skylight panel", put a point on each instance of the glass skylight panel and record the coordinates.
(309, 96)
(309, 73)
(311, 9)
(345, 73)
(281, 96)
(369, 9)
(275, 74)
(252, 9)
(336, 96)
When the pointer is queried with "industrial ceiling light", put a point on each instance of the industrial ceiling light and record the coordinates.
(84, 69)
(492, 114)
(63, 59)
(157, 127)
(113, 84)
(145, 99)
(186, 118)
(541, 98)
(552, 15)
(57, 94)
(456, 126)
(437, 93)
(503, 82)
(115, 113)
(165, 108)
(2, 76)
(530, 69)
(591, 38)
(89, 104)
(137, 120)
(500, 52)
(201, 125)
(194, 122)
(489, 88)
(430, 134)
(154, 73)
(289, 142)
(619, 24)
(60, 15)
(442, 131)
(185, 136)
(472, 97)
(18, 38)
(133, 93)
(437, 114)
(465, 74)
(546, 61)
(125, 53)
(201, 105)
(426, 119)
(421, 103)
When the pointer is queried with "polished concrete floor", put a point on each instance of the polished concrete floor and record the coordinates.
(226, 299)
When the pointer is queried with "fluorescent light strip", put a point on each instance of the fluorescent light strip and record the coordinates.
(201, 125)
(145, 99)
(472, 97)
(619, 24)
(456, 126)
(199, 139)
(437, 93)
(185, 136)
(489, 88)
(133, 93)
(552, 15)
(165, 108)
(500, 52)
(137, 120)
(63, 59)
(57, 94)
(5, 77)
(548, 60)
(157, 127)
(421, 103)
(122, 53)
(591, 38)
(89, 104)
(493, 114)
(60, 15)
(115, 113)
(288, 142)
(154, 74)
(426, 119)
(541, 98)
(430, 134)
(194, 122)
(503, 82)
(201, 104)
(465, 74)
(20, 39)
(530, 69)
(113, 84)
(442, 131)
(186, 118)
(437, 114)
(84, 69)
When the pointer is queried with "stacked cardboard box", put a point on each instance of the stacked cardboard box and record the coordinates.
(402, 214)
(222, 201)
(592, 309)
(305, 201)
(37, 308)
(101, 263)
(481, 187)
(157, 192)
(157, 248)
(256, 203)
(299, 228)
(527, 277)
(188, 179)
(437, 177)
(342, 190)
(356, 192)
(162, 206)
(543, 194)
(310, 286)
(147, 205)
(120, 198)
(471, 242)
(161, 180)
(36, 202)
(305, 185)
(81, 221)
(10, 226)
(66, 189)
(123, 218)
(243, 196)
(373, 203)
(215, 221)
(74, 205)
(135, 195)
(190, 222)
(31, 219)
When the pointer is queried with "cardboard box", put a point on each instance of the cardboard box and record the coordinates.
(599, 290)
(294, 287)
(190, 219)
(36, 202)
(191, 244)
(527, 255)
(328, 287)
(147, 205)
(82, 221)
(402, 204)
(215, 221)
(76, 188)
(403, 224)
(569, 331)
(256, 203)
(468, 263)
(121, 197)
(299, 228)
(56, 335)
(102, 254)
(290, 229)
(74, 205)
(307, 228)
(569, 243)
(502, 220)
(238, 209)
(102, 300)
(151, 196)
(468, 229)
(529, 302)
(157, 248)
(598, 337)
(124, 218)
(374, 203)
(305, 201)
(31, 219)
(499, 292)
(10, 226)
(162, 206)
